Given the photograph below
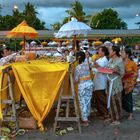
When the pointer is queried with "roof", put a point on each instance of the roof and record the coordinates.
(92, 33)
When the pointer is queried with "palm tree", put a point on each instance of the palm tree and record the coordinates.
(17, 17)
(77, 11)
(138, 23)
(29, 10)
(56, 26)
(30, 15)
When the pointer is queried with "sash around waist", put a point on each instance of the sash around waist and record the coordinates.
(84, 78)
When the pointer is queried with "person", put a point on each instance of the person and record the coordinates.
(100, 82)
(1, 53)
(7, 51)
(85, 86)
(88, 57)
(58, 53)
(115, 85)
(129, 80)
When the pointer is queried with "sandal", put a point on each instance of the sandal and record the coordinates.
(85, 123)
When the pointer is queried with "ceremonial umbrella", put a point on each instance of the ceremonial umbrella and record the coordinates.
(23, 30)
(73, 27)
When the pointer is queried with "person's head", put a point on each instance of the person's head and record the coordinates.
(7, 51)
(66, 52)
(114, 51)
(126, 53)
(87, 54)
(103, 51)
(80, 56)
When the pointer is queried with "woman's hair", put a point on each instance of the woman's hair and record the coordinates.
(80, 56)
(128, 51)
(105, 50)
(88, 53)
(117, 50)
(8, 49)
(1, 52)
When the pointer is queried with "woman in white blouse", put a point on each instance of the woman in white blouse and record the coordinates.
(100, 84)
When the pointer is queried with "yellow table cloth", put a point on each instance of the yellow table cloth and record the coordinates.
(39, 83)
(3, 90)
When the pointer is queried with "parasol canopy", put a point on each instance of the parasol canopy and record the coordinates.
(98, 43)
(23, 30)
(108, 44)
(74, 27)
(116, 40)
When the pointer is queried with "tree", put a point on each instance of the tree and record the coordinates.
(107, 19)
(30, 15)
(138, 23)
(56, 26)
(6, 22)
(77, 11)
(17, 17)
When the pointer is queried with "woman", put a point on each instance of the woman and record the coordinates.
(100, 82)
(88, 57)
(129, 80)
(115, 85)
(85, 87)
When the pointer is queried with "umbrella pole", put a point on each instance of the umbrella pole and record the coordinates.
(75, 45)
(23, 48)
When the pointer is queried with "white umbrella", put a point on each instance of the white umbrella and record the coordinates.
(108, 44)
(74, 27)
(33, 43)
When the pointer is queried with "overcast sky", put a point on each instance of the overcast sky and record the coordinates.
(51, 11)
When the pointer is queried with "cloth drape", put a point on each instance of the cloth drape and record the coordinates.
(39, 83)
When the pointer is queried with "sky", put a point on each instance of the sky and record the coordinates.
(51, 11)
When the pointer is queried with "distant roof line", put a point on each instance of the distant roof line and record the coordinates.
(93, 33)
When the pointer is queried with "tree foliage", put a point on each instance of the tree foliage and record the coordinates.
(107, 19)
(76, 11)
(56, 26)
(29, 14)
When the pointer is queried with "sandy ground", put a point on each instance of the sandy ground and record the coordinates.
(98, 130)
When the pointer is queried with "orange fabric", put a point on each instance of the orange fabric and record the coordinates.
(85, 78)
(129, 82)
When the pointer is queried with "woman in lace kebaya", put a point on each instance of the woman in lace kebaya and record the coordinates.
(115, 85)
(85, 87)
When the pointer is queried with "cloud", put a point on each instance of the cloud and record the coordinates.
(66, 3)
(46, 14)
(52, 11)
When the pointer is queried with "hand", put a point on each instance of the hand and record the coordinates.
(115, 70)
(96, 64)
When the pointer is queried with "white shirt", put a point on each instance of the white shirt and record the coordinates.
(100, 80)
(57, 54)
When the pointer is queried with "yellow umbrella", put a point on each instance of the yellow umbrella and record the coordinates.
(117, 40)
(44, 43)
(98, 43)
(23, 30)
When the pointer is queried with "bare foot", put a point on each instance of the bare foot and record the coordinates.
(114, 123)
(131, 117)
(107, 120)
